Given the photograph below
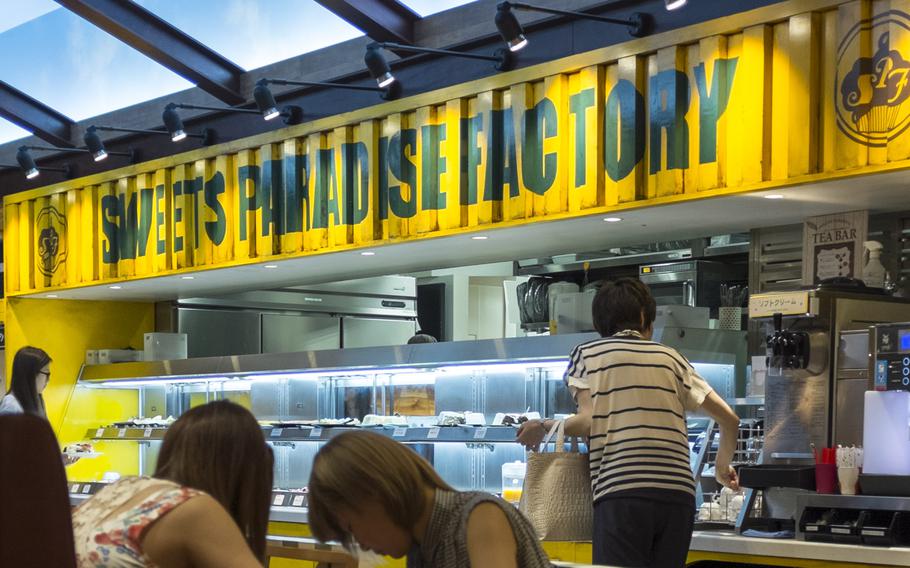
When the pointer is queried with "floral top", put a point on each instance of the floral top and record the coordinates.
(109, 526)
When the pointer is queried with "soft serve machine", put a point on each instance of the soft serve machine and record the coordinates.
(818, 374)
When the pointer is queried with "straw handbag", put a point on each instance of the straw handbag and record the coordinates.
(556, 496)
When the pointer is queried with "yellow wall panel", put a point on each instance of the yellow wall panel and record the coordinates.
(453, 181)
(267, 243)
(850, 154)
(898, 145)
(26, 240)
(247, 220)
(224, 166)
(11, 250)
(430, 160)
(321, 174)
(340, 231)
(163, 228)
(555, 145)
(780, 102)
(804, 67)
(515, 202)
(584, 170)
(827, 126)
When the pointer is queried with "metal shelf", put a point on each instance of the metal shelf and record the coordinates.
(132, 433)
(427, 435)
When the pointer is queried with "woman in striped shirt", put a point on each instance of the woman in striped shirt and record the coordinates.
(632, 395)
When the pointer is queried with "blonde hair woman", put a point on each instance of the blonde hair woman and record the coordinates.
(367, 488)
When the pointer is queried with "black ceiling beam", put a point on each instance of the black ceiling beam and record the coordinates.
(153, 37)
(35, 116)
(382, 20)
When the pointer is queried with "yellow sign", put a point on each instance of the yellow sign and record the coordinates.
(749, 107)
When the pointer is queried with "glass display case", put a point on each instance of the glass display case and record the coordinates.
(303, 399)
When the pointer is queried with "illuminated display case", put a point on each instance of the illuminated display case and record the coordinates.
(303, 399)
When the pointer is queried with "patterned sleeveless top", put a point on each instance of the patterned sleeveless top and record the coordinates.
(108, 536)
(445, 542)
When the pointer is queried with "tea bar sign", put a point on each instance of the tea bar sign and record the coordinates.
(833, 246)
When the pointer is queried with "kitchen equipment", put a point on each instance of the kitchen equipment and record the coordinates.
(164, 346)
(573, 312)
(690, 283)
(812, 394)
(106, 356)
(886, 435)
(553, 292)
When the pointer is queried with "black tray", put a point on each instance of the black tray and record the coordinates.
(773, 475)
(885, 485)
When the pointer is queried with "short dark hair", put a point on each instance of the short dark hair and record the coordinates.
(26, 365)
(619, 305)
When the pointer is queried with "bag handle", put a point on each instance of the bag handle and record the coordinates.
(558, 428)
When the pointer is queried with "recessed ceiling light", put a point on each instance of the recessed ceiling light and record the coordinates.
(270, 266)
(612, 219)
(368, 253)
(115, 287)
(187, 277)
(773, 196)
(479, 238)
(52, 296)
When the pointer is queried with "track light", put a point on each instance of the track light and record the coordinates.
(27, 163)
(293, 114)
(509, 28)
(639, 24)
(266, 102)
(174, 124)
(379, 67)
(30, 168)
(674, 4)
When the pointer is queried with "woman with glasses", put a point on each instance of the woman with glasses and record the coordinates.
(31, 373)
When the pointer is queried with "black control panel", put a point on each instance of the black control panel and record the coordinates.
(892, 357)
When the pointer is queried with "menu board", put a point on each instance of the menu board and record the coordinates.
(796, 411)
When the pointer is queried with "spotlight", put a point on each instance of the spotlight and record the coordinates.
(378, 66)
(638, 24)
(30, 168)
(674, 4)
(27, 163)
(173, 123)
(509, 28)
(94, 144)
(265, 101)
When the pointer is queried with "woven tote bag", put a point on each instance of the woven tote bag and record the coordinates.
(556, 496)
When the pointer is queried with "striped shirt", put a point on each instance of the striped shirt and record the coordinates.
(640, 391)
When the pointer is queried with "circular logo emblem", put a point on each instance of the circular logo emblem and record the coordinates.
(50, 231)
(871, 93)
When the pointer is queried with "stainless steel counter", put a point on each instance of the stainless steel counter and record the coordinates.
(732, 543)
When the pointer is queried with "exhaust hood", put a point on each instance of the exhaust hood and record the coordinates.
(632, 256)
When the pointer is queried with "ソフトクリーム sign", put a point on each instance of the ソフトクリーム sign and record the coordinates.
(727, 112)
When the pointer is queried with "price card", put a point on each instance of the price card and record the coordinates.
(298, 501)
(74, 488)
(276, 432)
(121, 433)
(87, 489)
(480, 433)
(278, 501)
(433, 433)
(147, 433)
(99, 433)
(316, 433)
(400, 433)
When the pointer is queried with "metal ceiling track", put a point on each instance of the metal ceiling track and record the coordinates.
(35, 116)
(382, 20)
(153, 37)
